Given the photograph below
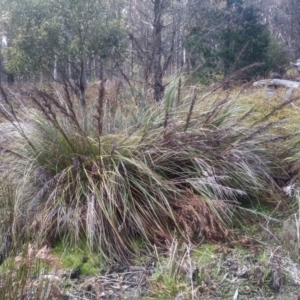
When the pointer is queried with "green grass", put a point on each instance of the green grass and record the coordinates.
(204, 254)
(170, 277)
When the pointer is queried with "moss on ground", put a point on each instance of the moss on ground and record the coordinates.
(80, 258)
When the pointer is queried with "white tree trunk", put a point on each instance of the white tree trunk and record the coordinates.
(278, 83)
(55, 68)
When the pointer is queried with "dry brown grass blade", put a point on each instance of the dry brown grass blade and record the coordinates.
(100, 108)
(189, 115)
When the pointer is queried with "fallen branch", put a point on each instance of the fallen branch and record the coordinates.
(278, 83)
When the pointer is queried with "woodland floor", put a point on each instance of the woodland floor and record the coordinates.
(263, 265)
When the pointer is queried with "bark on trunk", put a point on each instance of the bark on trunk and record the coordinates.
(82, 98)
(157, 51)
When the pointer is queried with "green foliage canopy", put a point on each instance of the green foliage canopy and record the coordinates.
(244, 40)
(231, 36)
(61, 31)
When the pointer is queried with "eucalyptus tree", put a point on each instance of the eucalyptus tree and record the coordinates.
(4, 34)
(155, 41)
(206, 20)
(285, 24)
(60, 37)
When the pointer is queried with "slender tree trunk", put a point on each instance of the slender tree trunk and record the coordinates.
(227, 42)
(69, 68)
(82, 97)
(55, 68)
(157, 50)
(101, 75)
(147, 65)
(1, 66)
(131, 42)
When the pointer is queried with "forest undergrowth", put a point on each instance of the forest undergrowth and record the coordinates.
(205, 165)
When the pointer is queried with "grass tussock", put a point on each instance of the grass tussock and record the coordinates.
(177, 168)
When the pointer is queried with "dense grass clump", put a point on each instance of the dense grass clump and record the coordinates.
(177, 168)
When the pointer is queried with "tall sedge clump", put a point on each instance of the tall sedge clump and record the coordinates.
(174, 169)
(79, 192)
